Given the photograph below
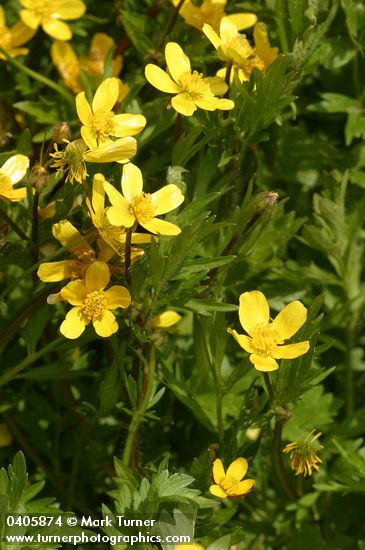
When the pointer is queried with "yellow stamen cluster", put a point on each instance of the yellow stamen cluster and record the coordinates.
(265, 338)
(194, 83)
(103, 124)
(142, 207)
(94, 305)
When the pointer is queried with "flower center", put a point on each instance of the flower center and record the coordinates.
(103, 123)
(229, 485)
(194, 83)
(142, 207)
(265, 338)
(94, 305)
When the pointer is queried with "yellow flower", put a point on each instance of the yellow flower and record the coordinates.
(13, 37)
(232, 47)
(303, 454)
(211, 12)
(70, 66)
(99, 121)
(191, 88)
(92, 303)
(136, 207)
(11, 172)
(166, 319)
(228, 484)
(51, 14)
(265, 339)
(78, 246)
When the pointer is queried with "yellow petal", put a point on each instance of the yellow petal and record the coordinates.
(225, 104)
(68, 236)
(51, 272)
(217, 491)
(89, 136)
(120, 215)
(253, 310)
(97, 276)
(15, 168)
(177, 62)
(217, 84)
(263, 48)
(290, 319)
(161, 227)
(183, 104)
(166, 319)
(74, 293)
(73, 325)
(68, 9)
(20, 34)
(128, 125)
(291, 351)
(106, 95)
(160, 79)
(14, 195)
(106, 325)
(237, 469)
(264, 364)
(166, 199)
(120, 150)
(117, 296)
(2, 17)
(132, 181)
(67, 63)
(30, 18)
(242, 488)
(243, 20)
(83, 109)
(209, 103)
(218, 471)
(228, 29)
(100, 46)
(212, 36)
(244, 341)
(98, 194)
(56, 28)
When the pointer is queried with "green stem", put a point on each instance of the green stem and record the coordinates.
(281, 17)
(43, 79)
(269, 387)
(219, 397)
(127, 254)
(177, 129)
(278, 461)
(350, 389)
(34, 234)
(149, 375)
(13, 225)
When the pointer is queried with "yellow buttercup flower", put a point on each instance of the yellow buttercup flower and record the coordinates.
(228, 484)
(51, 15)
(232, 47)
(13, 37)
(70, 66)
(191, 88)
(266, 339)
(211, 12)
(303, 454)
(136, 207)
(11, 172)
(99, 121)
(78, 246)
(92, 303)
(164, 320)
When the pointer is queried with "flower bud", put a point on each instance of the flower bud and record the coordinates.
(39, 178)
(61, 131)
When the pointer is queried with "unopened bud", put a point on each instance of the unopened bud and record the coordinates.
(39, 178)
(61, 131)
(269, 201)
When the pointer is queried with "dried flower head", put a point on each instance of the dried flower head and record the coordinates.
(303, 454)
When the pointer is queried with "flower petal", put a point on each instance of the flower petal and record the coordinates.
(225, 104)
(217, 491)
(120, 216)
(217, 84)
(212, 36)
(161, 227)
(15, 168)
(56, 28)
(253, 310)
(128, 125)
(166, 199)
(237, 469)
(106, 325)
(177, 61)
(166, 319)
(243, 20)
(68, 9)
(120, 150)
(83, 109)
(73, 325)
(290, 351)
(243, 487)
(14, 194)
(218, 471)
(160, 79)
(51, 272)
(98, 194)
(97, 276)
(74, 293)
(263, 47)
(132, 181)
(30, 18)
(68, 236)
(117, 296)
(106, 95)
(183, 104)
(244, 341)
(89, 137)
(264, 364)
(228, 29)
(290, 319)
(209, 103)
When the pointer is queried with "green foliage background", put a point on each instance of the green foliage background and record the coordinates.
(297, 131)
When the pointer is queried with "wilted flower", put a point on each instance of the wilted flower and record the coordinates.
(13, 37)
(93, 303)
(266, 339)
(135, 206)
(51, 14)
(303, 454)
(228, 484)
(70, 66)
(11, 172)
(191, 89)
